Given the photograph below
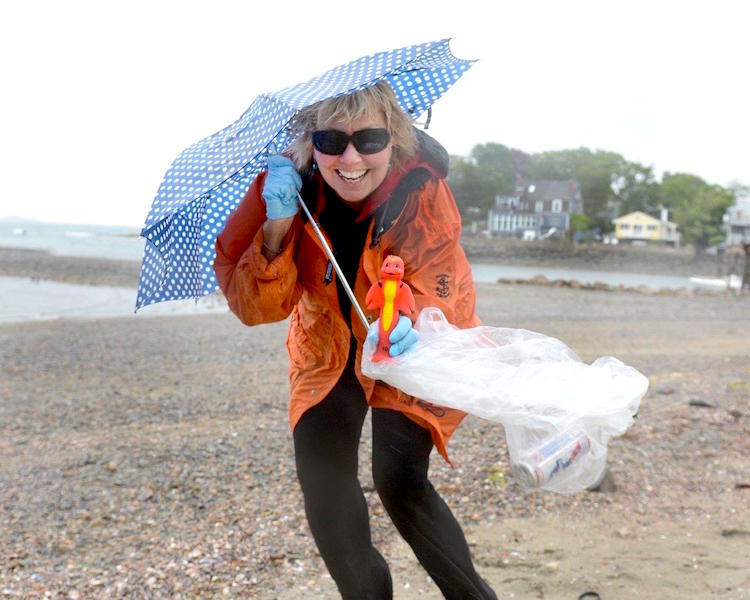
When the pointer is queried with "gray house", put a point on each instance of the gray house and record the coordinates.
(537, 209)
(737, 222)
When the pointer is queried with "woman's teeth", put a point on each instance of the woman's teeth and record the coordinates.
(352, 175)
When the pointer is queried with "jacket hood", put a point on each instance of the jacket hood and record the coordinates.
(431, 159)
(432, 152)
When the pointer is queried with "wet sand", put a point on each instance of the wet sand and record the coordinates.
(152, 458)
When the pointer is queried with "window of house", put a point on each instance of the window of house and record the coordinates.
(624, 225)
(651, 227)
(637, 228)
(539, 206)
(557, 205)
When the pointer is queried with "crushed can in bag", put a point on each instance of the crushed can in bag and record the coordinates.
(538, 466)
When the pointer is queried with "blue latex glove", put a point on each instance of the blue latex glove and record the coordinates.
(402, 338)
(280, 188)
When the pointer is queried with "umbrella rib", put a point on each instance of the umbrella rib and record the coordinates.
(332, 258)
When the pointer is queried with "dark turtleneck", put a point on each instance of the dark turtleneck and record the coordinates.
(339, 220)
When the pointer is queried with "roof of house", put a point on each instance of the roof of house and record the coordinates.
(549, 190)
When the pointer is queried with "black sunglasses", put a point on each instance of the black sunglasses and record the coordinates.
(366, 141)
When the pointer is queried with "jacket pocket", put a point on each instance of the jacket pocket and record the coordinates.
(310, 336)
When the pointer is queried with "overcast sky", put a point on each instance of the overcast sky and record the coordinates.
(99, 97)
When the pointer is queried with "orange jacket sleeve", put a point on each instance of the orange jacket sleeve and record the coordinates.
(257, 290)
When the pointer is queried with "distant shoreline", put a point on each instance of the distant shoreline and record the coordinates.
(651, 260)
(42, 264)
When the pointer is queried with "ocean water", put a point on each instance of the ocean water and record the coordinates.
(100, 241)
(28, 300)
(124, 243)
(24, 299)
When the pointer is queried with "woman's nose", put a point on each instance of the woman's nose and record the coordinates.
(350, 154)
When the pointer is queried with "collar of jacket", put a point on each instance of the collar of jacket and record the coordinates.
(383, 192)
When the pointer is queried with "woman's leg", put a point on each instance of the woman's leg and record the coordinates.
(326, 441)
(400, 460)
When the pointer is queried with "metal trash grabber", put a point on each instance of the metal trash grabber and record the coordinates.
(335, 264)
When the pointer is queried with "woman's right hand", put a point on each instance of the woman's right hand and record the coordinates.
(280, 188)
(280, 194)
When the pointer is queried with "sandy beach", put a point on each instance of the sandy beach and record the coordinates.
(151, 458)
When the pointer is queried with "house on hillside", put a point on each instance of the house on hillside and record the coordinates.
(640, 227)
(537, 209)
(737, 222)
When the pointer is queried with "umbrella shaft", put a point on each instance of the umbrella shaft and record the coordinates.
(335, 264)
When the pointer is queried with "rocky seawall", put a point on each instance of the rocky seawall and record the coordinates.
(595, 256)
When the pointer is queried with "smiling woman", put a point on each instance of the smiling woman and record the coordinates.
(376, 187)
(352, 173)
(356, 139)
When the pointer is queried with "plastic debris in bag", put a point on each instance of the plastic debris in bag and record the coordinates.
(559, 413)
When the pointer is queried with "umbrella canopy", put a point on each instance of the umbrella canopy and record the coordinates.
(206, 181)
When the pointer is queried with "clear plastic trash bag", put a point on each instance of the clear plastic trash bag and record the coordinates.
(558, 412)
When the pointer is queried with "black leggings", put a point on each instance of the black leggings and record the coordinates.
(326, 441)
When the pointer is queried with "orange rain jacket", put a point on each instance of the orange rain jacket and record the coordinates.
(425, 235)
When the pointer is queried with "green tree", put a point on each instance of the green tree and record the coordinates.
(496, 162)
(698, 208)
(489, 170)
(637, 189)
(679, 188)
(558, 164)
(578, 223)
(467, 186)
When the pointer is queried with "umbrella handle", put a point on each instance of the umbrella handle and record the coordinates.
(335, 264)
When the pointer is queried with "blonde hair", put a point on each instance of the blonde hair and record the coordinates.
(371, 101)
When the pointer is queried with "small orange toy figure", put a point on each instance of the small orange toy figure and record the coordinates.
(393, 297)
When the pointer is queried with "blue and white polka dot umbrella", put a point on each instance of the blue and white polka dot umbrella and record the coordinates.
(207, 180)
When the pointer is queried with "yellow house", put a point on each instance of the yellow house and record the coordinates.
(638, 226)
